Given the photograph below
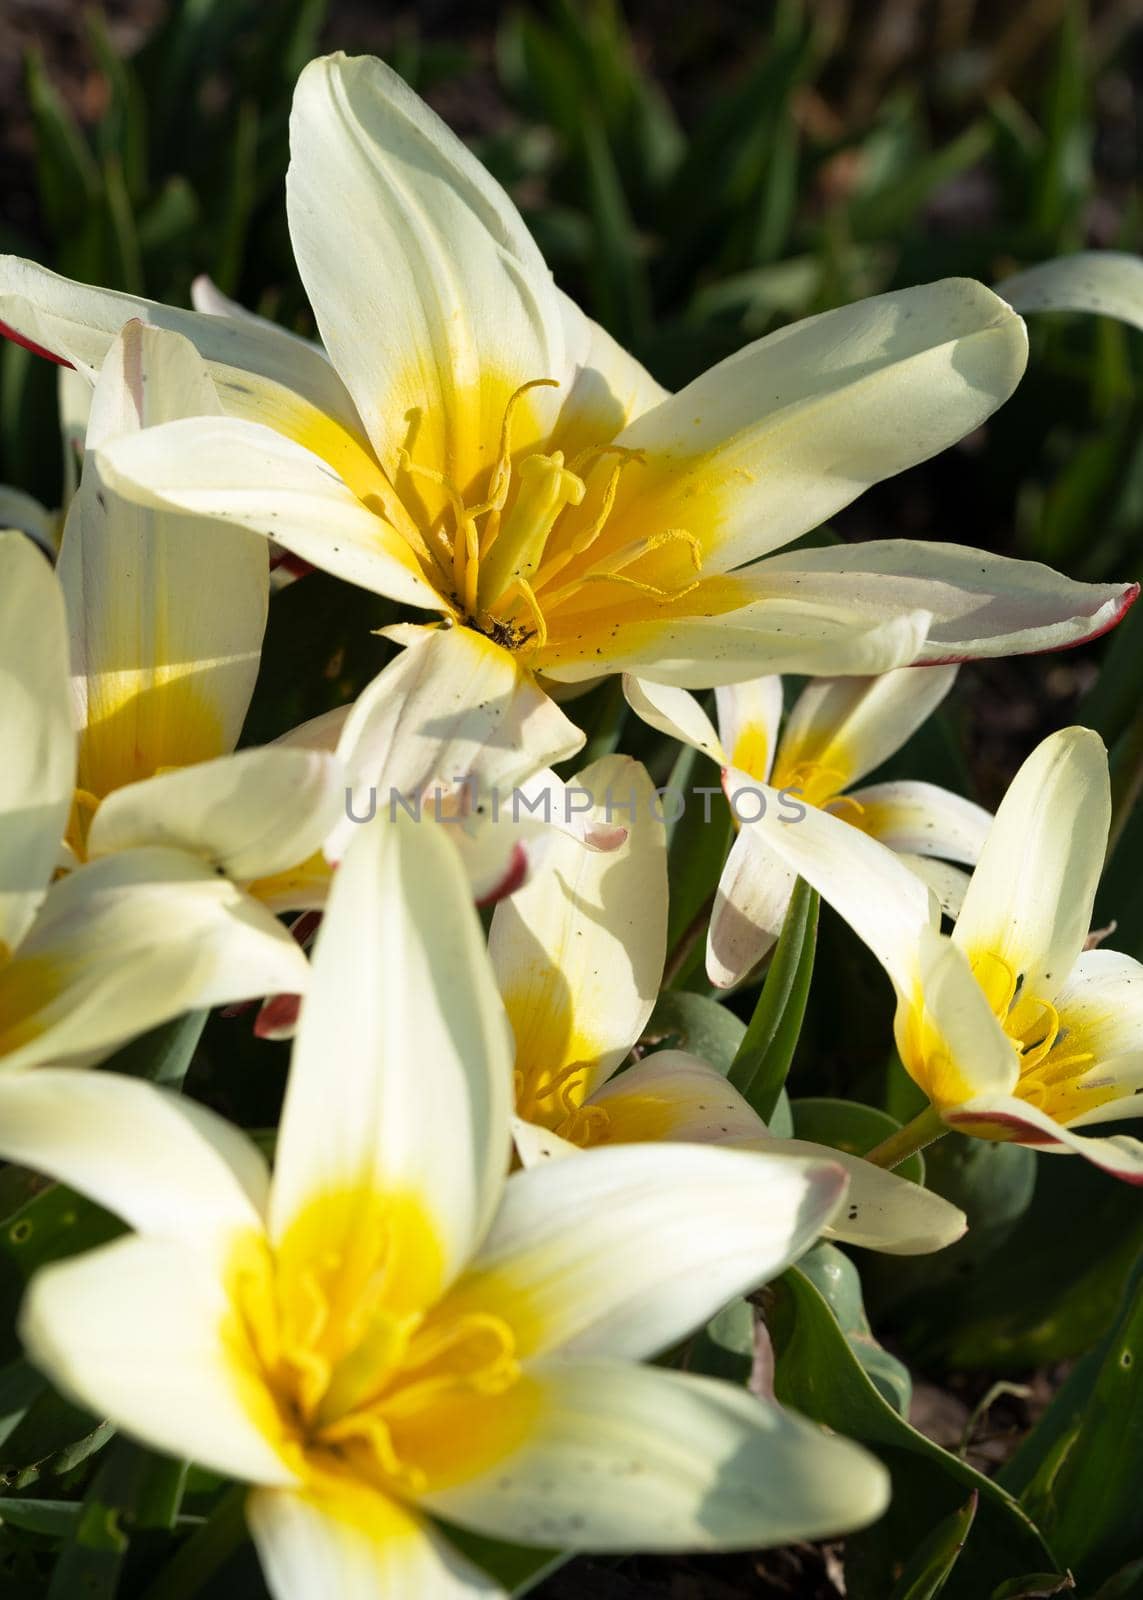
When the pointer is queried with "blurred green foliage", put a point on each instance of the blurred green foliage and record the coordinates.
(696, 176)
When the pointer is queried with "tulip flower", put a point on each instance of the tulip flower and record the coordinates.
(456, 732)
(166, 614)
(388, 1330)
(578, 956)
(1012, 1027)
(838, 730)
(475, 446)
(121, 945)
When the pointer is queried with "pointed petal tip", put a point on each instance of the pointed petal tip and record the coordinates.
(1104, 624)
(515, 876)
(9, 333)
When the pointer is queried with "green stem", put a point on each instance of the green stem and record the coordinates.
(924, 1129)
(1126, 781)
(206, 1551)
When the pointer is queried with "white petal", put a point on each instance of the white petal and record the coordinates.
(19, 511)
(980, 604)
(401, 1076)
(849, 726)
(208, 298)
(141, 1332)
(167, 1166)
(949, 884)
(881, 1211)
(922, 819)
(771, 442)
(632, 1458)
(1101, 1008)
(609, 390)
(454, 715)
(749, 908)
(1030, 900)
(261, 372)
(74, 394)
(621, 1252)
(430, 296)
(1108, 283)
(1007, 1118)
(535, 1144)
(949, 1038)
(37, 770)
(251, 476)
(884, 903)
(166, 612)
(782, 634)
(355, 1544)
(578, 952)
(671, 1095)
(748, 718)
(674, 712)
(250, 815)
(126, 943)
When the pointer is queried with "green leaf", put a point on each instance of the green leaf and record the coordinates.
(1038, 1277)
(1039, 1586)
(759, 1069)
(69, 180)
(1127, 1584)
(695, 857)
(20, 1386)
(725, 1347)
(164, 1054)
(241, 195)
(928, 1568)
(516, 1567)
(56, 1518)
(819, 1374)
(92, 1559)
(126, 263)
(50, 1439)
(848, 1125)
(838, 1281)
(700, 1026)
(122, 132)
(895, 205)
(1078, 1471)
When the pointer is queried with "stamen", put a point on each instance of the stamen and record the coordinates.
(502, 471)
(456, 502)
(611, 568)
(587, 1125)
(533, 605)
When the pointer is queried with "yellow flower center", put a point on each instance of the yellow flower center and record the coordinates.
(555, 1100)
(351, 1363)
(534, 545)
(1051, 1065)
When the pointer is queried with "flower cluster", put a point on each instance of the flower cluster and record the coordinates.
(491, 1195)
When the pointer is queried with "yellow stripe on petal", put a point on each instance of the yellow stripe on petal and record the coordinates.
(140, 722)
(28, 987)
(751, 750)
